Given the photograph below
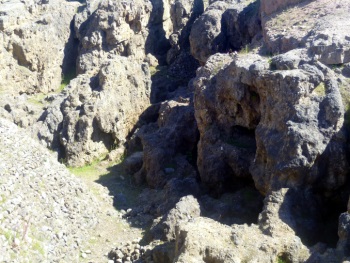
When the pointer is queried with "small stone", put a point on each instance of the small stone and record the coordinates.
(83, 255)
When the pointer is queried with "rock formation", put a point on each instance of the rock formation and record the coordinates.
(36, 44)
(234, 115)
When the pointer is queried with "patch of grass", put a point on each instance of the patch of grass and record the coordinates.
(280, 259)
(244, 50)
(66, 78)
(159, 70)
(90, 169)
(7, 234)
(320, 90)
(38, 247)
(37, 99)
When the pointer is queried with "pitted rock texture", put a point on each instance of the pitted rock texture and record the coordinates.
(224, 26)
(295, 118)
(35, 44)
(45, 212)
(115, 28)
(205, 240)
(88, 121)
(169, 146)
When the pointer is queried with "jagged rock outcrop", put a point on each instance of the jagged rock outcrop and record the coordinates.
(99, 112)
(36, 47)
(113, 29)
(205, 240)
(224, 26)
(169, 146)
(323, 30)
(90, 120)
(295, 118)
(187, 208)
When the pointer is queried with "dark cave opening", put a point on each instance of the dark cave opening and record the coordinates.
(313, 215)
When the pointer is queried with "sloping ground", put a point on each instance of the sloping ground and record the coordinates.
(49, 215)
(45, 212)
(322, 26)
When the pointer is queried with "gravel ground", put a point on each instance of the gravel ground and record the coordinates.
(45, 212)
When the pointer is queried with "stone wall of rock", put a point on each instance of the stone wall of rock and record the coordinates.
(225, 26)
(89, 121)
(295, 117)
(35, 43)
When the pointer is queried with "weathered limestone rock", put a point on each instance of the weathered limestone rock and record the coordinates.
(205, 240)
(169, 146)
(187, 208)
(297, 116)
(204, 38)
(183, 14)
(114, 28)
(93, 118)
(35, 44)
(224, 26)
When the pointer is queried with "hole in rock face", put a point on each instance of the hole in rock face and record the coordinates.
(241, 205)
(234, 199)
(100, 136)
(313, 215)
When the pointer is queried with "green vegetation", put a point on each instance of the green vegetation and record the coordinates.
(66, 78)
(38, 247)
(159, 70)
(91, 169)
(244, 50)
(320, 90)
(37, 99)
(7, 234)
(281, 260)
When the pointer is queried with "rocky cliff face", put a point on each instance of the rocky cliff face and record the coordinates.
(243, 101)
(36, 44)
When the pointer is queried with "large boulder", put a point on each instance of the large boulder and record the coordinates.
(36, 44)
(187, 208)
(295, 117)
(114, 28)
(169, 146)
(224, 26)
(205, 240)
(91, 119)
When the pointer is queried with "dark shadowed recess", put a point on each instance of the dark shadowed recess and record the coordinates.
(70, 56)
(313, 215)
